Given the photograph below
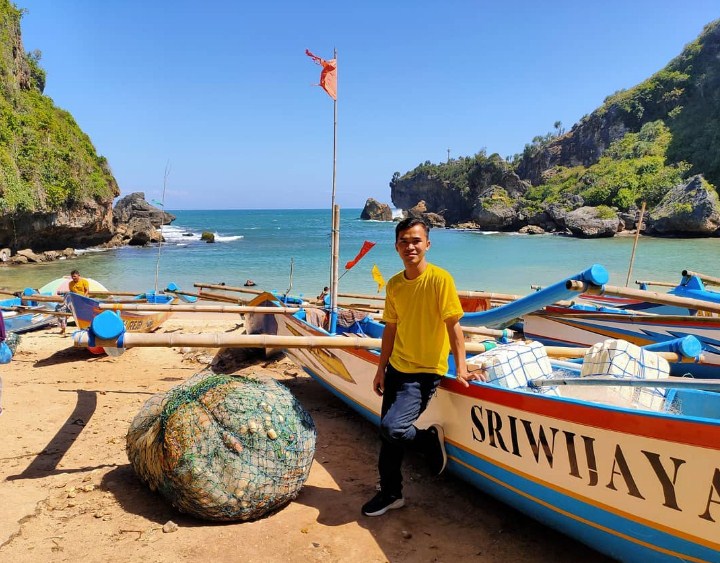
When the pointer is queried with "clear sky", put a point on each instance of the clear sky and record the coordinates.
(223, 92)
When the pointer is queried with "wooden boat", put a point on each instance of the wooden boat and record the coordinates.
(691, 286)
(634, 484)
(581, 325)
(24, 313)
(21, 316)
(85, 309)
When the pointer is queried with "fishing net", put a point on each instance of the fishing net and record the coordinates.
(12, 340)
(222, 447)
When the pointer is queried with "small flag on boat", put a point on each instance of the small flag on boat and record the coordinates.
(367, 245)
(156, 202)
(328, 75)
(377, 276)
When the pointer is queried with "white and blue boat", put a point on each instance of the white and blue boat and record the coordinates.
(635, 483)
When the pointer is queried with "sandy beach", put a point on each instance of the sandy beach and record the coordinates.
(68, 492)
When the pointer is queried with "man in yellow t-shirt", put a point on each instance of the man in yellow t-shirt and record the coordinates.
(422, 324)
(76, 285)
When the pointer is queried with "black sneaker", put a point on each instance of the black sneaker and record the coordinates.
(436, 455)
(381, 503)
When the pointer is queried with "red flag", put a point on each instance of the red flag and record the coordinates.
(328, 75)
(367, 245)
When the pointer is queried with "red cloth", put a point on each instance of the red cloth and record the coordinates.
(328, 75)
(367, 245)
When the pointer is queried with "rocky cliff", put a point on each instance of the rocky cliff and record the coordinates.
(55, 190)
(638, 146)
(685, 95)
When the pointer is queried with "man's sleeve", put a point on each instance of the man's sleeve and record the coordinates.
(449, 300)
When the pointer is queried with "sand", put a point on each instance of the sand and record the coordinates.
(68, 493)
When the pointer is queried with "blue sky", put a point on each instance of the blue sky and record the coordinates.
(222, 90)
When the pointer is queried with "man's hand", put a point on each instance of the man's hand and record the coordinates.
(379, 382)
(464, 377)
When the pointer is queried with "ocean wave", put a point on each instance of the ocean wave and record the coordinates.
(182, 237)
(220, 238)
(91, 250)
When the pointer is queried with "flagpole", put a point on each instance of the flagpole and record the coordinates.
(335, 235)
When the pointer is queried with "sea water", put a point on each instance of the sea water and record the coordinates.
(290, 250)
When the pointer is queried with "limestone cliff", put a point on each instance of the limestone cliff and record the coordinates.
(55, 190)
(639, 145)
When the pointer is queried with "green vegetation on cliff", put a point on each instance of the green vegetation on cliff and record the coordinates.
(638, 145)
(632, 169)
(686, 95)
(467, 175)
(46, 161)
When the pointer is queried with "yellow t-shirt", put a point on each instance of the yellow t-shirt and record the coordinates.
(81, 286)
(420, 308)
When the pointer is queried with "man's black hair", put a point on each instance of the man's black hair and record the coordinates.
(410, 222)
(74, 272)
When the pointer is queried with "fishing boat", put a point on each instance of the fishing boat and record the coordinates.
(582, 325)
(33, 309)
(691, 286)
(635, 484)
(85, 309)
(23, 315)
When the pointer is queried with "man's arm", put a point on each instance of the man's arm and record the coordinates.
(457, 345)
(388, 342)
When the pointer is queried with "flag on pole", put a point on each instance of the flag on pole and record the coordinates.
(328, 75)
(156, 202)
(377, 276)
(367, 245)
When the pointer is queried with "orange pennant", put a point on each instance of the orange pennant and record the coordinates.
(367, 245)
(328, 75)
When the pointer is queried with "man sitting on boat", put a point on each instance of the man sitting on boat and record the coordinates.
(422, 314)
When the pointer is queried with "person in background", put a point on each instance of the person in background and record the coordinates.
(422, 314)
(323, 294)
(77, 285)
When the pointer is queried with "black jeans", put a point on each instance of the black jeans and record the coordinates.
(405, 398)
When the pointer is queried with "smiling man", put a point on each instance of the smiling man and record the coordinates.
(422, 314)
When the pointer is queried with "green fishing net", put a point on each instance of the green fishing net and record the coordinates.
(12, 341)
(223, 448)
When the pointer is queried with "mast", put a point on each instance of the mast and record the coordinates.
(335, 234)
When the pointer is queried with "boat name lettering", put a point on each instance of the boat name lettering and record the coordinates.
(133, 325)
(527, 438)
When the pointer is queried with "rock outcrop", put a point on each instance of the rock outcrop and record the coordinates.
(376, 211)
(494, 210)
(687, 210)
(134, 206)
(587, 222)
(136, 222)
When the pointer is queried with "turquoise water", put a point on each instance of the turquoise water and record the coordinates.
(260, 245)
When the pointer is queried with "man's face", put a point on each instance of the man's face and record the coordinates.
(75, 277)
(412, 244)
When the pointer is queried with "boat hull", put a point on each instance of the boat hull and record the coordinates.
(635, 485)
(567, 327)
(85, 309)
(19, 322)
